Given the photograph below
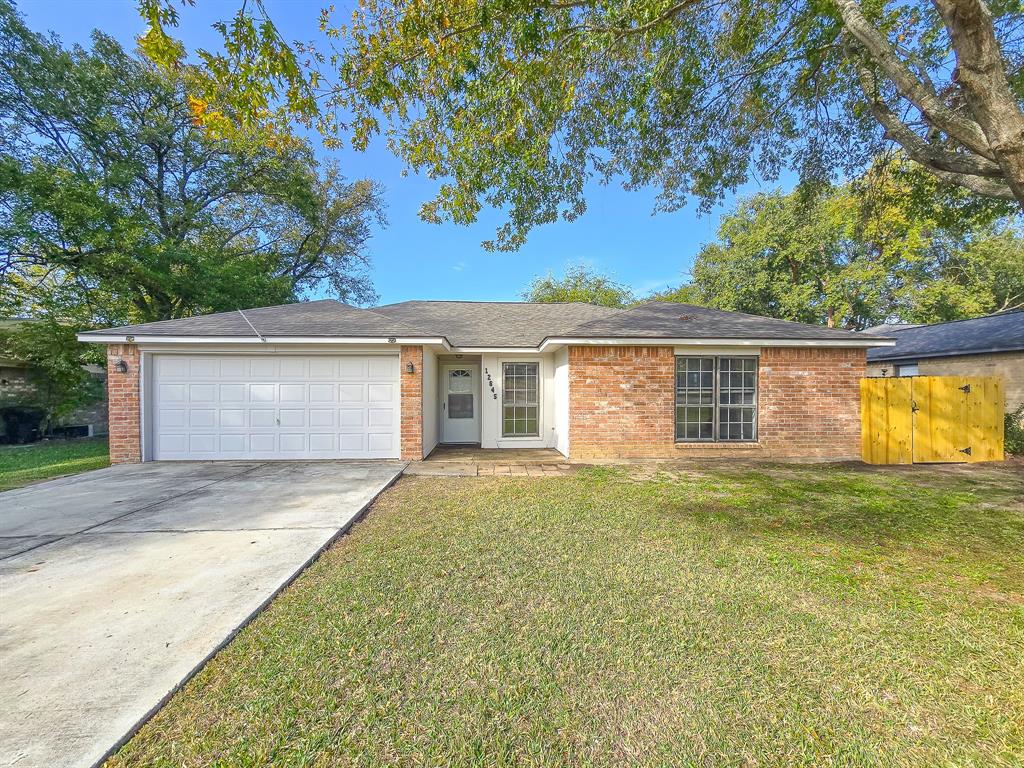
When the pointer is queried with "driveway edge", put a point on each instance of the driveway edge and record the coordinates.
(356, 517)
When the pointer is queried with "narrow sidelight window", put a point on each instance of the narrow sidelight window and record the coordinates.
(519, 400)
(716, 399)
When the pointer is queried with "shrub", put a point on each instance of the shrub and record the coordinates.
(1014, 432)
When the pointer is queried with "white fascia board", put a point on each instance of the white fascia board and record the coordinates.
(112, 338)
(498, 350)
(658, 342)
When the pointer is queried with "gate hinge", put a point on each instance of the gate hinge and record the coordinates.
(966, 450)
(966, 389)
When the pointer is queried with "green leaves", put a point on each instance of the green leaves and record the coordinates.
(862, 254)
(119, 204)
(579, 284)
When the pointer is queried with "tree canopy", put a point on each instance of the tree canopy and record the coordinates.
(582, 284)
(861, 254)
(117, 206)
(517, 104)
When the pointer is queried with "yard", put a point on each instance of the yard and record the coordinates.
(741, 617)
(23, 464)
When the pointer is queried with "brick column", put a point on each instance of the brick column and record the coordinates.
(412, 403)
(123, 404)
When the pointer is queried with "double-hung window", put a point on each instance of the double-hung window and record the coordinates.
(519, 400)
(716, 399)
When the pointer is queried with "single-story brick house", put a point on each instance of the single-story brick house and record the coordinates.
(326, 380)
(992, 345)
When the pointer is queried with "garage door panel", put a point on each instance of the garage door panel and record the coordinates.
(204, 367)
(323, 368)
(233, 444)
(202, 417)
(232, 393)
(383, 368)
(321, 417)
(262, 393)
(232, 417)
(292, 393)
(380, 393)
(351, 418)
(172, 393)
(292, 417)
(379, 442)
(293, 368)
(263, 368)
(286, 407)
(321, 393)
(233, 368)
(293, 443)
(262, 418)
(351, 393)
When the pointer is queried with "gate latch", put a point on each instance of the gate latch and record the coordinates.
(966, 389)
(966, 450)
(914, 407)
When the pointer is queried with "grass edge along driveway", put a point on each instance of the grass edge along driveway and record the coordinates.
(24, 464)
(784, 615)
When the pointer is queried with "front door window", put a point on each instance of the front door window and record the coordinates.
(460, 393)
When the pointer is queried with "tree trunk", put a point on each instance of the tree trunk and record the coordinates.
(982, 79)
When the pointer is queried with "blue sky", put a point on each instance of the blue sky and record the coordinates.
(412, 259)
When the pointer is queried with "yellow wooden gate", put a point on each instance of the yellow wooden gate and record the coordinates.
(921, 419)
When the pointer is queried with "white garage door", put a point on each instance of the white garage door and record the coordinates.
(275, 407)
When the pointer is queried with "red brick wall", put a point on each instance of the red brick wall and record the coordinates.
(621, 404)
(412, 403)
(123, 405)
(810, 402)
(621, 401)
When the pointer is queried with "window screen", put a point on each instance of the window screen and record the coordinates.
(716, 399)
(519, 403)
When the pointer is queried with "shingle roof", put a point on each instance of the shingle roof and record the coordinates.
(311, 318)
(1002, 332)
(487, 324)
(495, 323)
(686, 321)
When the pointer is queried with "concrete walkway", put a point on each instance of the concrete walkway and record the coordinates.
(473, 461)
(116, 585)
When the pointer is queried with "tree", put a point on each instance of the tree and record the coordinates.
(517, 104)
(861, 254)
(579, 284)
(117, 206)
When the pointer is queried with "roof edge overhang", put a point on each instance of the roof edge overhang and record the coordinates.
(122, 338)
(715, 342)
(889, 357)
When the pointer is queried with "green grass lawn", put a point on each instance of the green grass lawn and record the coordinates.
(23, 464)
(779, 616)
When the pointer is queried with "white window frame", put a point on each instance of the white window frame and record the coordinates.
(538, 365)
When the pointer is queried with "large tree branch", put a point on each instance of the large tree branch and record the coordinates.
(982, 79)
(915, 146)
(977, 184)
(962, 129)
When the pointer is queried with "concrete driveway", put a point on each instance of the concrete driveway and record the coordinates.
(116, 584)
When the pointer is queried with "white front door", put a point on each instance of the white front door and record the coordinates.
(275, 407)
(460, 404)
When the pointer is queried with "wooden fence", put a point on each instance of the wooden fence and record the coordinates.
(921, 419)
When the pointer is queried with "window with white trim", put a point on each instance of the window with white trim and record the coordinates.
(716, 399)
(520, 410)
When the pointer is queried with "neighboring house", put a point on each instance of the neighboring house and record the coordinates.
(984, 346)
(326, 380)
(19, 384)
